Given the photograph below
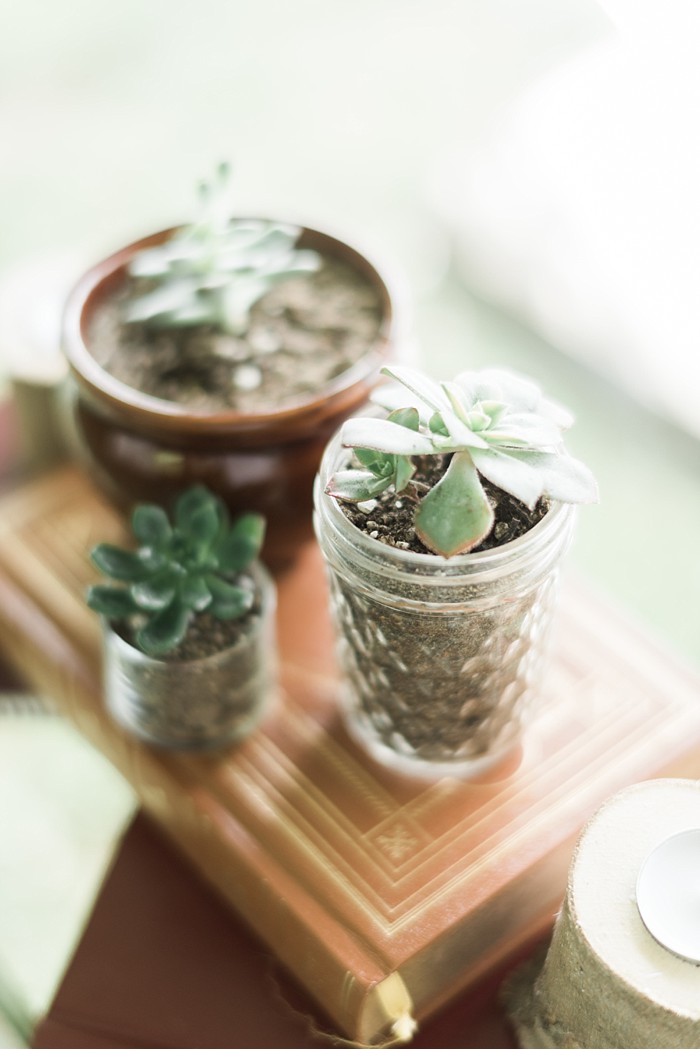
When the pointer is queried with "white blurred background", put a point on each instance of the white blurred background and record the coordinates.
(528, 167)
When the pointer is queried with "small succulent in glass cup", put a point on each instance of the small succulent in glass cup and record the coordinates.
(189, 635)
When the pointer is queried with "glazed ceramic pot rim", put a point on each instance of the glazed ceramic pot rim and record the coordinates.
(162, 413)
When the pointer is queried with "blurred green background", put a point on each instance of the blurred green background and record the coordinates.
(110, 113)
(337, 114)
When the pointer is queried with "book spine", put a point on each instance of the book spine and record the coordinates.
(347, 980)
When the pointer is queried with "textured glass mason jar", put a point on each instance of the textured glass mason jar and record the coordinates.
(196, 704)
(440, 657)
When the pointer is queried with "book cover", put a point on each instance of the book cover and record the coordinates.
(384, 896)
(162, 964)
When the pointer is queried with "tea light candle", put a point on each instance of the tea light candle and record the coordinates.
(668, 894)
(623, 967)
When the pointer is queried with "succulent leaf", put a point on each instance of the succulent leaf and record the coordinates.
(189, 503)
(156, 592)
(183, 568)
(112, 602)
(194, 593)
(407, 417)
(509, 474)
(494, 409)
(425, 390)
(456, 400)
(491, 384)
(357, 486)
(564, 478)
(455, 515)
(403, 472)
(460, 435)
(391, 396)
(150, 525)
(373, 460)
(165, 630)
(227, 600)
(529, 430)
(436, 425)
(202, 527)
(166, 303)
(381, 435)
(241, 544)
(119, 564)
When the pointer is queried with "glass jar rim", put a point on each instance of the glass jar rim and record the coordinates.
(482, 564)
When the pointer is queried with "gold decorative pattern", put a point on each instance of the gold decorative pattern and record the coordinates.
(397, 841)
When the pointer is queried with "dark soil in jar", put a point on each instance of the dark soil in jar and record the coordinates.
(449, 685)
(302, 334)
(389, 517)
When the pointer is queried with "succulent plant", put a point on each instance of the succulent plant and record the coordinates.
(491, 424)
(179, 569)
(214, 270)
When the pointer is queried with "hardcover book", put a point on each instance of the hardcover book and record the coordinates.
(162, 965)
(384, 896)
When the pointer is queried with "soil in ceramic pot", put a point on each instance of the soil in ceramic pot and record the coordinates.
(302, 334)
(449, 686)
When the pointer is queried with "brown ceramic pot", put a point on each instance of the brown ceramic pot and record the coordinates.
(138, 447)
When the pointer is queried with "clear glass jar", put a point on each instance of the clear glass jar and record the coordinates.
(196, 704)
(440, 657)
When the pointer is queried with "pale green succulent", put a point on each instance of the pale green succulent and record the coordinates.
(196, 563)
(214, 270)
(492, 424)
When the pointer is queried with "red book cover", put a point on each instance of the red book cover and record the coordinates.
(162, 964)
